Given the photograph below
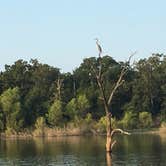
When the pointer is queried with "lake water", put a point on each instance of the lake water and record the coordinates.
(134, 150)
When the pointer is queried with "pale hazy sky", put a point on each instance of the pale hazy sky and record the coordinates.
(61, 32)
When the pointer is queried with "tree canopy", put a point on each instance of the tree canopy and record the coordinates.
(28, 90)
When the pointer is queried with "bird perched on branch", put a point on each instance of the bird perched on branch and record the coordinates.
(98, 47)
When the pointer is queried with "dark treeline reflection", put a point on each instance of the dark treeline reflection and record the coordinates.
(134, 150)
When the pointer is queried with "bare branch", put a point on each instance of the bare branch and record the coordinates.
(94, 71)
(115, 131)
(59, 84)
(120, 80)
(99, 82)
(100, 68)
(101, 98)
(118, 83)
(112, 145)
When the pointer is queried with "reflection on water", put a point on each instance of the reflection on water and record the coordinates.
(108, 159)
(142, 150)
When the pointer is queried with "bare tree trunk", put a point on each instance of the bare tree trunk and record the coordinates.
(108, 159)
(59, 83)
(109, 130)
(107, 100)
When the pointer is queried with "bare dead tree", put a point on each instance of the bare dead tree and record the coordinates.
(107, 99)
(59, 84)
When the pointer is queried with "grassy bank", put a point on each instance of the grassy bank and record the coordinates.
(80, 127)
(65, 131)
(47, 132)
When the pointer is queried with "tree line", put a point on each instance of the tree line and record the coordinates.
(31, 90)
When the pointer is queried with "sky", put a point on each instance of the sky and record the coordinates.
(61, 33)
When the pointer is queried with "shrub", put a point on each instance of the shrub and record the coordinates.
(102, 124)
(130, 120)
(9, 131)
(40, 123)
(145, 119)
(55, 114)
(87, 124)
(11, 109)
(71, 109)
(2, 125)
(39, 127)
(163, 124)
(82, 105)
(88, 118)
(163, 115)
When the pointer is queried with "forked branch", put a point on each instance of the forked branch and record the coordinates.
(115, 131)
(120, 79)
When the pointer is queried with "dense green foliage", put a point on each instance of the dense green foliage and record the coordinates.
(11, 106)
(55, 113)
(28, 91)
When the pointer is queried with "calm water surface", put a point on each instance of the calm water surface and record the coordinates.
(135, 150)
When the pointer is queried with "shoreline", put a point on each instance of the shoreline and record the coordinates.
(62, 133)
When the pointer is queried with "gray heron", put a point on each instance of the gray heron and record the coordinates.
(98, 47)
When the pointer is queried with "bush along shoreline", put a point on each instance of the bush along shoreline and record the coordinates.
(87, 126)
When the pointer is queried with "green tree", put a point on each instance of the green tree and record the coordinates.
(162, 96)
(39, 126)
(55, 113)
(82, 105)
(130, 120)
(42, 79)
(11, 106)
(2, 125)
(145, 119)
(146, 88)
(71, 109)
(78, 107)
